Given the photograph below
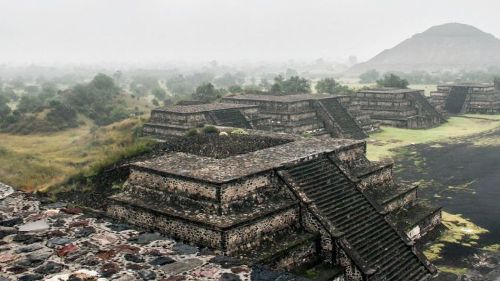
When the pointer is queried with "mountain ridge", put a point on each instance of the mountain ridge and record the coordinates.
(451, 46)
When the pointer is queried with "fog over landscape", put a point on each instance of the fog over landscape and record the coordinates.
(257, 140)
(91, 31)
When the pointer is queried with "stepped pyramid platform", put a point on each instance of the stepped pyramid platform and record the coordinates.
(466, 98)
(404, 108)
(319, 114)
(283, 200)
(177, 120)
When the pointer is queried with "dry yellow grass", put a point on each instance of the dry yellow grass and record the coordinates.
(39, 161)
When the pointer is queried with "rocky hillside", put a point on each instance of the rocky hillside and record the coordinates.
(451, 46)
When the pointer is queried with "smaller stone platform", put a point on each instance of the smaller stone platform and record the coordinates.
(404, 108)
(177, 120)
(466, 98)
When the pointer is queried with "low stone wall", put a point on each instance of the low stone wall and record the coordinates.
(189, 188)
(422, 227)
(192, 119)
(350, 156)
(376, 178)
(406, 199)
(159, 130)
(241, 189)
(251, 235)
(176, 228)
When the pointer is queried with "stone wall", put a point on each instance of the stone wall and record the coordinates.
(376, 178)
(406, 200)
(424, 226)
(174, 227)
(189, 188)
(189, 120)
(252, 234)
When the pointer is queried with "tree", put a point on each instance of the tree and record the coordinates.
(61, 115)
(235, 89)
(369, 76)
(206, 93)
(159, 93)
(4, 108)
(264, 84)
(392, 81)
(293, 85)
(296, 85)
(96, 100)
(330, 86)
(326, 85)
(229, 79)
(30, 104)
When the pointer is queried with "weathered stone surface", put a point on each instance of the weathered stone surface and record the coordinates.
(11, 222)
(161, 261)
(229, 277)
(39, 225)
(147, 275)
(147, 238)
(185, 249)
(107, 251)
(181, 266)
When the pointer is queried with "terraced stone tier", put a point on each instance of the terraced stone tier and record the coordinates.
(416, 220)
(368, 235)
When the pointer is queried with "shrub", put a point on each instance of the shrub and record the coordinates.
(210, 130)
(192, 132)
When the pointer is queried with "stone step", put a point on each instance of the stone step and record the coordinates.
(369, 235)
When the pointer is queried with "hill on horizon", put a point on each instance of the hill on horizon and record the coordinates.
(451, 46)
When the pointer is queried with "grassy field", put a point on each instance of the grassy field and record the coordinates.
(40, 161)
(383, 144)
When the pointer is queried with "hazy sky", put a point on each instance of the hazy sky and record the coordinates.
(201, 30)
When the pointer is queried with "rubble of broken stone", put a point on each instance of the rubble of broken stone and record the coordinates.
(52, 241)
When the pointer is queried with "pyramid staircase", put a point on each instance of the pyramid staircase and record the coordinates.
(230, 118)
(348, 124)
(456, 100)
(365, 235)
(427, 106)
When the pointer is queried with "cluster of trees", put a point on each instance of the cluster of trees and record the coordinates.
(98, 100)
(330, 86)
(49, 110)
(27, 116)
(291, 86)
(390, 80)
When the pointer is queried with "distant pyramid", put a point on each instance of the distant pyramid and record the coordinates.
(451, 46)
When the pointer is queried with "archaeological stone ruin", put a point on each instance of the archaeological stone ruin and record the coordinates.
(316, 115)
(282, 200)
(466, 98)
(403, 108)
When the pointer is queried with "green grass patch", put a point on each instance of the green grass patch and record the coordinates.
(382, 145)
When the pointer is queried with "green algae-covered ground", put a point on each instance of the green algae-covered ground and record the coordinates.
(456, 166)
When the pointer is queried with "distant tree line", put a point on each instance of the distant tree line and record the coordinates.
(424, 77)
